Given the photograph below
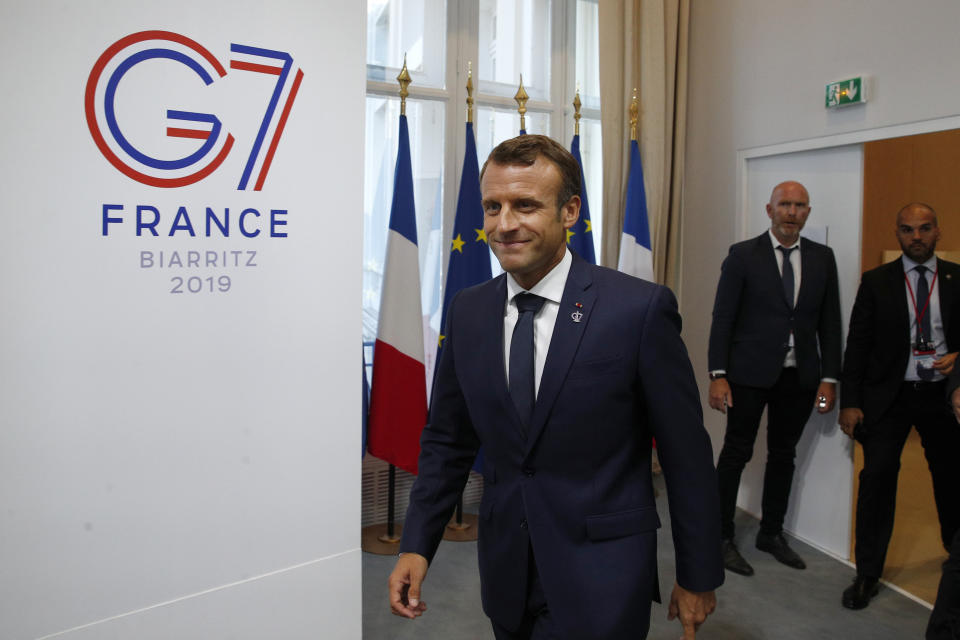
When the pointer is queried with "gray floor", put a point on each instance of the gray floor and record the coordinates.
(776, 603)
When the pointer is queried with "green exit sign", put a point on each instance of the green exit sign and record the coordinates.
(846, 92)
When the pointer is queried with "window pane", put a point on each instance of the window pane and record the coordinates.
(514, 40)
(588, 53)
(591, 153)
(496, 125)
(417, 28)
(425, 120)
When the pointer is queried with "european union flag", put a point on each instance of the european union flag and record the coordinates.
(469, 254)
(580, 236)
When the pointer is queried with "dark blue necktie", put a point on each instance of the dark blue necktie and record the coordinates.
(923, 292)
(787, 275)
(521, 356)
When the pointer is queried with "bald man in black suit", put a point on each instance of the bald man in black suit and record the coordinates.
(774, 343)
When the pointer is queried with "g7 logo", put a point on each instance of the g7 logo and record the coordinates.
(136, 48)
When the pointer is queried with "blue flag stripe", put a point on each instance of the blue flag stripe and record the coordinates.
(403, 218)
(635, 222)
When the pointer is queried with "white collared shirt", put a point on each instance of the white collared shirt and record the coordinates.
(938, 338)
(550, 288)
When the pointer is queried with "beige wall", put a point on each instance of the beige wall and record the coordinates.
(757, 75)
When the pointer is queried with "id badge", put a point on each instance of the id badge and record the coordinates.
(924, 355)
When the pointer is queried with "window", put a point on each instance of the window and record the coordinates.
(552, 43)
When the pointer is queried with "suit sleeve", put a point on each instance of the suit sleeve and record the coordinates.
(953, 382)
(860, 340)
(725, 306)
(829, 329)
(448, 446)
(676, 419)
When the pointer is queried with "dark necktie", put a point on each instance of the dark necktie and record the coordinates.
(521, 356)
(923, 292)
(787, 275)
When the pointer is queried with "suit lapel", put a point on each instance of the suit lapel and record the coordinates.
(490, 345)
(898, 289)
(769, 264)
(945, 285)
(809, 273)
(563, 344)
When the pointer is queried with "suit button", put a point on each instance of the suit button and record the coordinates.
(529, 472)
(523, 524)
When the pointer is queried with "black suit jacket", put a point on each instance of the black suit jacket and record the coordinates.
(577, 490)
(878, 343)
(752, 318)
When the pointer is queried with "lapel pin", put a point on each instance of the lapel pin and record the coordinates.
(577, 315)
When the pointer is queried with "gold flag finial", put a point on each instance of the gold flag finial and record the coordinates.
(469, 92)
(634, 115)
(404, 80)
(576, 111)
(521, 97)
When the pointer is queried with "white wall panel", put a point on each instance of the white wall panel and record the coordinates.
(155, 445)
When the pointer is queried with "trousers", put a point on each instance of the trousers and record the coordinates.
(788, 408)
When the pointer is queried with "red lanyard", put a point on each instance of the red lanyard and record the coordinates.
(918, 312)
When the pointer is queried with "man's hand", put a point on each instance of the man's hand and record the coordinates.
(955, 403)
(691, 607)
(720, 397)
(827, 391)
(849, 419)
(404, 586)
(945, 364)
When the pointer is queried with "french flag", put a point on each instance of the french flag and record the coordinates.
(636, 256)
(398, 394)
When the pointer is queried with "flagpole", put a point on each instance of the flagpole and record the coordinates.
(580, 236)
(391, 536)
(463, 527)
(521, 97)
(372, 540)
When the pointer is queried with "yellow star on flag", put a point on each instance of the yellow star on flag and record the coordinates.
(458, 244)
(589, 226)
(481, 235)
(440, 340)
(570, 234)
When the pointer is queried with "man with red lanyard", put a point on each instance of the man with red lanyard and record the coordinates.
(903, 341)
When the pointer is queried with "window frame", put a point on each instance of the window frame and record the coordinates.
(463, 17)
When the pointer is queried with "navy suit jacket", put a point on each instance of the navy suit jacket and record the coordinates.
(577, 490)
(878, 343)
(752, 318)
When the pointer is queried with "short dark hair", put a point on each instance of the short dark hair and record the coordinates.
(524, 150)
(917, 205)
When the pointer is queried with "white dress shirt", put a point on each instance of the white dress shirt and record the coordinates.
(939, 338)
(550, 288)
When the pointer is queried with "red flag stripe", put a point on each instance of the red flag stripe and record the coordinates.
(398, 407)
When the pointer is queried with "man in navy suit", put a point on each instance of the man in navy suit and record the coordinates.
(903, 341)
(564, 372)
(774, 343)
